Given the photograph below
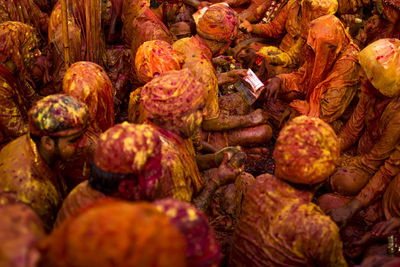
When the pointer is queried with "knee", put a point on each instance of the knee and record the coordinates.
(348, 181)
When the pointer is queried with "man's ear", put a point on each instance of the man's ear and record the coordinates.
(47, 143)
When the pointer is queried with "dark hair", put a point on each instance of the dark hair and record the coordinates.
(107, 182)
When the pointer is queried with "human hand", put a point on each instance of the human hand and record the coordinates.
(342, 214)
(383, 229)
(231, 76)
(272, 88)
(229, 169)
(246, 26)
(230, 150)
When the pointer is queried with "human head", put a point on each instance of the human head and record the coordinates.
(126, 162)
(327, 37)
(380, 61)
(89, 83)
(201, 246)
(313, 9)
(154, 58)
(121, 234)
(218, 25)
(391, 9)
(19, 43)
(56, 124)
(306, 151)
(174, 100)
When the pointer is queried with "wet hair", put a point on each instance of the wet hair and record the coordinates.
(107, 182)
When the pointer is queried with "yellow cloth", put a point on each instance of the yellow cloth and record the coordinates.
(198, 61)
(279, 226)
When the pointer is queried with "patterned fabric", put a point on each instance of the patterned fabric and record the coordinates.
(381, 62)
(329, 77)
(89, 83)
(156, 57)
(201, 246)
(173, 94)
(25, 11)
(58, 115)
(198, 59)
(35, 183)
(126, 148)
(218, 22)
(121, 234)
(306, 151)
(20, 230)
(279, 226)
(19, 43)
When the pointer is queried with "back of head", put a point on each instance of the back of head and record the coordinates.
(115, 233)
(154, 58)
(89, 83)
(58, 115)
(218, 22)
(173, 94)
(380, 61)
(126, 148)
(202, 248)
(16, 39)
(306, 151)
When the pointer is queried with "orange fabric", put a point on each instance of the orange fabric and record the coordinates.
(114, 239)
(35, 184)
(25, 11)
(173, 94)
(391, 199)
(89, 83)
(279, 226)
(145, 27)
(126, 148)
(156, 57)
(181, 177)
(198, 60)
(329, 77)
(218, 22)
(306, 151)
(374, 123)
(80, 197)
(20, 231)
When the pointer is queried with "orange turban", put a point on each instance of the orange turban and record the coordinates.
(125, 148)
(115, 233)
(89, 83)
(218, 22)
(173, 94)
(16, 39)
(156, 57)
(381, 63)
(201, 246)
(306, 151)
(58, 115)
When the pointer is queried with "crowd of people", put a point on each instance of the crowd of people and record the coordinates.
(146, 151)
